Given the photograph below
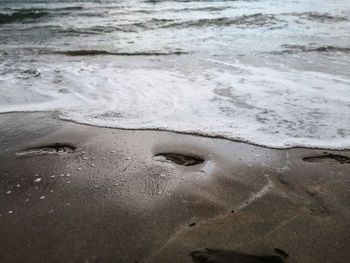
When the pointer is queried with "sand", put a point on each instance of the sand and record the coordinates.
(77, 193)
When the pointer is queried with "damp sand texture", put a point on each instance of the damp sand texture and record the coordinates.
(77, 193)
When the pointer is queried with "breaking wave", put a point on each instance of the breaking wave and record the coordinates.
(320, 17)
(22, 16)
(254, 20)
(105, 52)
(300, 48)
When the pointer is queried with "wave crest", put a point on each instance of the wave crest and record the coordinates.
(300, 48)
(320, 17)
(253, 20)
(105, 52)
(21, 16)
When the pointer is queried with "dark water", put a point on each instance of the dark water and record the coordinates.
(270, 72)
(214, 27)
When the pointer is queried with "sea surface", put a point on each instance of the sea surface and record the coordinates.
(269, 72)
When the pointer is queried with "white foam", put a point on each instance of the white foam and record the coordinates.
(265, 106)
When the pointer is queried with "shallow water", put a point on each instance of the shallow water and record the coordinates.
(273, 73)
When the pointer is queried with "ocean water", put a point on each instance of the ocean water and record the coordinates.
(269, 72)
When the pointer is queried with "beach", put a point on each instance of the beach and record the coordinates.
(156, 131)
(77, 193)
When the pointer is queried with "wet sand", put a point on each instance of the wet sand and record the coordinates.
(76, 193)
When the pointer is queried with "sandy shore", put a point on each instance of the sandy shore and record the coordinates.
(76, 193)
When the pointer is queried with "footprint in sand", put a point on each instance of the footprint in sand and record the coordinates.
(328, 158)
(57, 148)
(180, 159)
(281, 252)
(226, 256)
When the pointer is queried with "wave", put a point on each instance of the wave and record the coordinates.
(271, 107)
(319, 17)
(188, 9)
(21, 16)
(300, 48)
(29, 14)
(199, 9)
(68, 8)
(258, 19)
(188, 1)
(254, 20)
(96, 30)
(105, 52)
(77, 31)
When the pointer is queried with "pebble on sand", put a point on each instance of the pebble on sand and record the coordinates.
(37, 180)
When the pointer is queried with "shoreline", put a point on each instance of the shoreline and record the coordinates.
(54, 114)
(80, 193)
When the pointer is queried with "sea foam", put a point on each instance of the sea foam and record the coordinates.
(266, 106)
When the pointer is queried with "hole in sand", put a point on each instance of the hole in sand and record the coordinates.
(180, 159)
(57, 148)
(328, 158)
